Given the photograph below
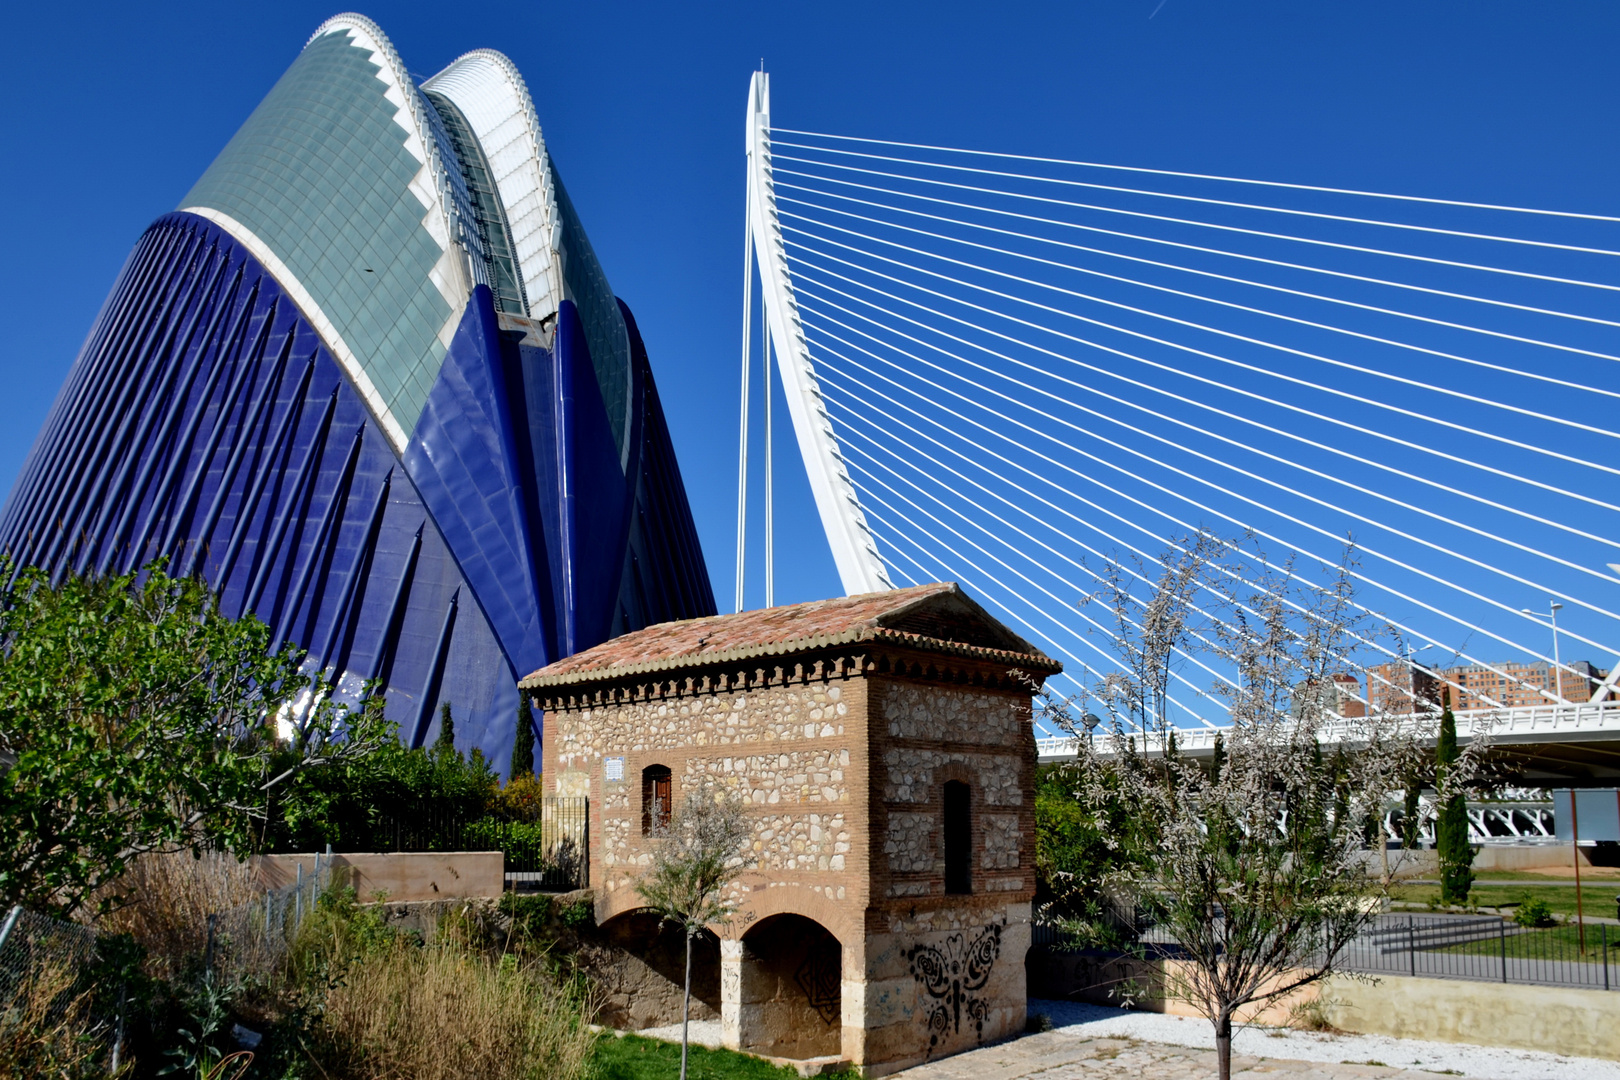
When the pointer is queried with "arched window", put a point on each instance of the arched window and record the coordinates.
(657, 798)
(958, 837)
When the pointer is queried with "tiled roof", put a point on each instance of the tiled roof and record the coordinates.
(935, 618)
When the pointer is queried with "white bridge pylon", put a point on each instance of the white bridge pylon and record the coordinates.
(1035, 376)
(854, 549)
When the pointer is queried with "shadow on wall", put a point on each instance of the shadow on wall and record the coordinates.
(792, 973)
(639, 967)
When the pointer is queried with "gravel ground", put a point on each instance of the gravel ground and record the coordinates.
(1484, 1062)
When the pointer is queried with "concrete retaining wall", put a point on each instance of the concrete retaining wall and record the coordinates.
(403, 875)
(1585, 1023)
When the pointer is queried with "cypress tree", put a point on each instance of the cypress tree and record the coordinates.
(1410, 808)
(1451, 830)
(523, 744)
(446, 742)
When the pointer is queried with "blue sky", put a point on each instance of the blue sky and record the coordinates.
(114, 110)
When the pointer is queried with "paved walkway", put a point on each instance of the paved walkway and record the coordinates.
(1058, 1055)
(1096, 1043)
(1093, 1042)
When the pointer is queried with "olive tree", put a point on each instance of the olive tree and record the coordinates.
(136, 717)
(1253, 860)
(697, 854)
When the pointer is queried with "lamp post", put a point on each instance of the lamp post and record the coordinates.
(1553, 607)
(1090, 721)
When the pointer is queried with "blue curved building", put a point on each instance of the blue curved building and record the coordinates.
(369, 380)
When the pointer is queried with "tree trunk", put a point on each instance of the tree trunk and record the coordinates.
(686, 1003)
(1223, 1046)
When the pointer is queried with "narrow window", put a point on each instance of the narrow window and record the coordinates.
(656, 798)
(958, 836)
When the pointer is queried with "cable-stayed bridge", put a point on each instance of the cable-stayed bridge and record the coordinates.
(1027, 374)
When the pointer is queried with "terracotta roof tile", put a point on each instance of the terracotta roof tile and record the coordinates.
(937, 617)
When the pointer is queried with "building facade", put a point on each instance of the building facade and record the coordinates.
(884, 750)
(370, 382)
(1507, 685)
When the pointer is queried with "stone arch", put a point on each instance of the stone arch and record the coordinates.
(789, 980)
(833, 913)
(639, 964)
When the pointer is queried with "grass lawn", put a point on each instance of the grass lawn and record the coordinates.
(631, 1057)
(1551, 943)
(1599, 899)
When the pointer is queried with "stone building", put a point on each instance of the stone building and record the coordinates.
(884, 748)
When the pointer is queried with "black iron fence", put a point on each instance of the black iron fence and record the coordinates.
(1486, 948)
(546, 850)
(1481, 948)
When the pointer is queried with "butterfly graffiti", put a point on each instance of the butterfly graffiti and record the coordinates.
(950, 973)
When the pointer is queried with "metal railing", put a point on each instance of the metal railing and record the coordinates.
(1574, 719)
(547, 850)
(1478, 948)
(1484, 948)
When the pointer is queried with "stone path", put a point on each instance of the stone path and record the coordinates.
(1057, 1055)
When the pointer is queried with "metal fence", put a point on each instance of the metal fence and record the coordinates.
(1485, 948)
(1480, 948)
(548, 850)
(30, 942)
(255, 936)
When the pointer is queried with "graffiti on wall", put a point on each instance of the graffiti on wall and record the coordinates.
(951, 974)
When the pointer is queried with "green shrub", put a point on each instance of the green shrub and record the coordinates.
(1533, 912)
(531, 908)
(579, 914)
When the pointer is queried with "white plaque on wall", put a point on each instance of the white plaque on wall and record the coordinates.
(613, 769)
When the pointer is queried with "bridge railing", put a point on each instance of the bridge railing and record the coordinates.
(1513, 725)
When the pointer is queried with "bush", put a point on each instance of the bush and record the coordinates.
(442, 1012)
(1533, 912)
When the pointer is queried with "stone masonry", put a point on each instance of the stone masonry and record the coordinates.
(841, 724)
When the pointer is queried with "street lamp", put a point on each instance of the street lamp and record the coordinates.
(1090, 721)
(1553, 607)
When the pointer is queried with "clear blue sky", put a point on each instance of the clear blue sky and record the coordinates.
(113, 110)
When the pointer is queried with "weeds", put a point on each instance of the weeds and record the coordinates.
(441, 1012)
(47, 1029)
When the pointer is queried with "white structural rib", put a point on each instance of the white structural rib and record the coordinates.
(853, 547)
(490, 92)
(431, 184)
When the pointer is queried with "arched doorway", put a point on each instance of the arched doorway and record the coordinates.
(790, 1001)
(641, 971)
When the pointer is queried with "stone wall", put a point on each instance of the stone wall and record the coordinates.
(792, 751)
(940, 982)
(841, 761)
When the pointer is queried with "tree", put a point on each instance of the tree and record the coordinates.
(1455, 854)
(446, 742)
(695, 857)
(1256, 866)
(523, 741)
(139, 718)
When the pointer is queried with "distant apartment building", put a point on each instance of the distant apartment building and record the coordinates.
(1392, 687)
